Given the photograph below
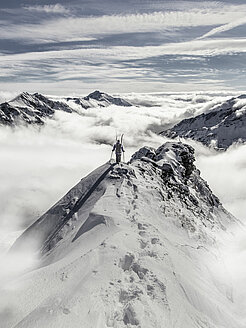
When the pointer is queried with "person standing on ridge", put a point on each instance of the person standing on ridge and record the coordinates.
(118, 148)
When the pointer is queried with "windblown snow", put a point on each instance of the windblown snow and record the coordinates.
(131, 245)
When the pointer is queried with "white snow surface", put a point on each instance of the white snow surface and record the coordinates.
(142, 250)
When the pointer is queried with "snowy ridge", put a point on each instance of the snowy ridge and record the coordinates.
(47, 228)
(139, 251)
(35, 108)
(222, 126)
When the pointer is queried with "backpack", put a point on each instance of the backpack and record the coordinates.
(118, 148)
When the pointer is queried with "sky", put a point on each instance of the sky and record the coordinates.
(77, 46)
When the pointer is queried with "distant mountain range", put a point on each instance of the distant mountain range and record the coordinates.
(219, 127)
(222, 126)
(35, 108)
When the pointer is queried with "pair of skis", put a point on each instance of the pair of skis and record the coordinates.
(123, 151)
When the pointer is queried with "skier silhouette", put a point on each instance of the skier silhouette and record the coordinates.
(118, 148)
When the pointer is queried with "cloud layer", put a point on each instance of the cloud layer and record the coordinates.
(39, 165)
(123, 45)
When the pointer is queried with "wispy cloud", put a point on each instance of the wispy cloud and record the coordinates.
(114, 45)
(79, 27)
(224, 28)
(208, 47)
(55, 9)
(141, 65)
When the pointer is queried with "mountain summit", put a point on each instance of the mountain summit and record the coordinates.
(107, 99)
(98, 99)
(131, 245)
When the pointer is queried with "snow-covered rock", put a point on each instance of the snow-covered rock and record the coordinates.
(131, 245)
(105, 100)
(222, 126)
(30, 109)
(35, 108)
(97, 99)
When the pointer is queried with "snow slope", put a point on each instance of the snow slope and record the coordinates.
(35, 108)
(222, 126)
(131, 245)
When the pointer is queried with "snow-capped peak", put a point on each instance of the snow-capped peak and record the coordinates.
(107, 99)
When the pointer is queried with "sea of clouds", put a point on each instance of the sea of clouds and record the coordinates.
(40, 164)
